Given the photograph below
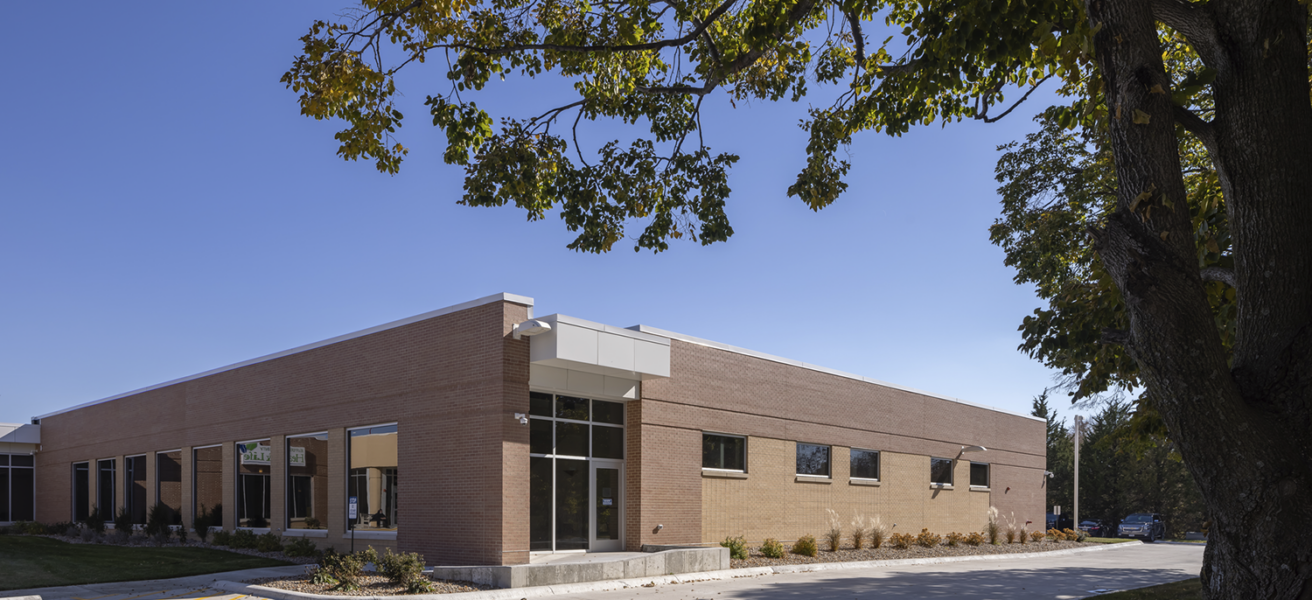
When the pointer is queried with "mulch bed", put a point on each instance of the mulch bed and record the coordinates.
(756, 559)
(370, 585)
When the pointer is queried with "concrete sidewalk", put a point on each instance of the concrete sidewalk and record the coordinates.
(152, 589)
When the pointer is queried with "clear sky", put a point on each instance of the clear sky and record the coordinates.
(165, 210)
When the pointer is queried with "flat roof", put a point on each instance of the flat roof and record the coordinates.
(797, 363)
(503, 297)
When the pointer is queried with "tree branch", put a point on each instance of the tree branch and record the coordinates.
(984, 116)
(1194, 124)
(1115, 337)
(1221, 274)
(1195, 21)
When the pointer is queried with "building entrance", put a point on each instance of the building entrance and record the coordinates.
(576, 474)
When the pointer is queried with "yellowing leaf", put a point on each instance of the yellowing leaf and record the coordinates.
(1141, 118)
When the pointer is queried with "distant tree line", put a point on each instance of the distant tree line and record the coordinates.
(1123, 470)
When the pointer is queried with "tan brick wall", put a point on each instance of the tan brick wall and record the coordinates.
(776, 405)
(443, 380)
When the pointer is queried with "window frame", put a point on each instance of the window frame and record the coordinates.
(390, 532)
(113, 491)
(952, 476)
(879, 466)
(829, 460)
(988, 475)
(239, 489)
(728, 435)
(72, 487)
(157, 481)
(287, 485)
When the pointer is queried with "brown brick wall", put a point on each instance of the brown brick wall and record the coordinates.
(443, 380)
(776, 405)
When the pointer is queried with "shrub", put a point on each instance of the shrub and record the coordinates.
(30, 528)
(313, 523)
(90, 535)
(1022, 536)
(805, 546)
(927, 539)
(220, 538)
(901, 541)
(182, 535)
(1074, 536)
(301, 547)
(771, 548)
(243, 539)
(1010, 534)
(95, 520)
(158, 520)
(992, 529)
(202, 521)
(268, 542)
(955, 539)
(737, 547)
(343, 571)
(1036, 536)
(407, 569)
(123, 520)
(974, 539)
(858, 535)
(118, 538)
(62, 529)
(834, 536)
(878, 532)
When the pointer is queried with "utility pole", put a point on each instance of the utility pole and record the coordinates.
(1079, 430)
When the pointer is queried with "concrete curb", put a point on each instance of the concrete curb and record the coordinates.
(20, 598)
(616, 584)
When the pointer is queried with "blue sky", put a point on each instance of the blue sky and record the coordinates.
(165, 210)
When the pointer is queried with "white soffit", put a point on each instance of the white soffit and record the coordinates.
(503, 297)
(589, 347)
(797, 363)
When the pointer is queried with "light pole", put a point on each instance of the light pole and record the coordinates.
(1079, 429)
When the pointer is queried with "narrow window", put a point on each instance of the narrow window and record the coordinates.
(725, 452)
(168, 484)
(105, 488)
(812, 460)
(865, 464)
(372, 477)
(17, 487)
(81, 492)
(253, 493)
(134, 496)
(940, 471)
(979, 474)
(207, 484)
(307, 481)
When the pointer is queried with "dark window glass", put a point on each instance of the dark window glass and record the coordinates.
(865, 464)
(105, 488)
(539, 404)
(135, 494)
(979, 474)
(22, 484)
(4, 494)
(168, 484)
(539, 436)
(372, 460)
(812, 459)
(253, 490)
(723, 452)
(307, 481)
(207, 483)
(608, 412)
(571, 439)
(571, 408)
(940, 470)
(607, 442)
(81, 492)
(571, 504)
(22, 460)
(539, 503)
(606, 501)
(4, 460)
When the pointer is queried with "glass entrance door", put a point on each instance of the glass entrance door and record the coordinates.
(606, 510)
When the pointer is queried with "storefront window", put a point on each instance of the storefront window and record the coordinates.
(134, 495)
(17, 487)
(372, 479)
(168, 484)
(253, 493)
(207, 483)
(307, 481)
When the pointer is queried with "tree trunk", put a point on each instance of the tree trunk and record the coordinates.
(1243, 427)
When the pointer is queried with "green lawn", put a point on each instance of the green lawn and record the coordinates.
(1096, 540)
(1189, 589)
(31, 562)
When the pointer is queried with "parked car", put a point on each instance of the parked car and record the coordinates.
(1060, 522)
(1144, 526)
(1092, 528)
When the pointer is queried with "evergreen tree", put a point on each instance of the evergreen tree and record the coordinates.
(1061, 456)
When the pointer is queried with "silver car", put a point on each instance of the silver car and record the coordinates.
(1144, 526)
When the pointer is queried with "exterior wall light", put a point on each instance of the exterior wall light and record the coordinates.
(523, 418)
(965, 449)
(530, 327)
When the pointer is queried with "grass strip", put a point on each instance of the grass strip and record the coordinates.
(32, 562)
(1189, 589)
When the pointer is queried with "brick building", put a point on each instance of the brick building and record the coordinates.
(516, 435)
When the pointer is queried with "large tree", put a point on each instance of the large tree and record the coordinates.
(1237, 402)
